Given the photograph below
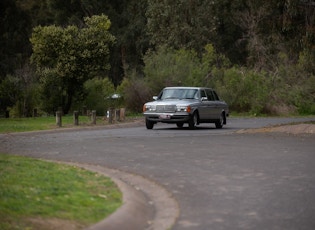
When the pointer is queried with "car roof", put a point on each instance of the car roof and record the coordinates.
(186, 87)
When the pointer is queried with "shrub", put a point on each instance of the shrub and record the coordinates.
(169, 67)
(134, 92)
(98, 93)
(243, 90)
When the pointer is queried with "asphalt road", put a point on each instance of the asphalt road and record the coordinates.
(221, 179)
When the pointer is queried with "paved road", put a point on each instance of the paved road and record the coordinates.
(221, 179)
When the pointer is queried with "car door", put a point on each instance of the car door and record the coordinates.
(218, 105)
(211, 105)
(203, 107)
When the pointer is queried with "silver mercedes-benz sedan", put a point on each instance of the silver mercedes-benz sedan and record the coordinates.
(192, 105)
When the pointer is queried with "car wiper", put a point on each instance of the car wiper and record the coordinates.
(170, 98)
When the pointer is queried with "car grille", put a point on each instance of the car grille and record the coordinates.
(166, 108)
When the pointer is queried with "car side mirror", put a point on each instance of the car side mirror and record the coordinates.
(204, 99)
(155, 98)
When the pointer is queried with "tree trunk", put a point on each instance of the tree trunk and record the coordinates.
(68, 102)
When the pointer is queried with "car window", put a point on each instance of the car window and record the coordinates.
(210, 95)
(202, 93)
(189, 94)
(179, 94)
(215, 96)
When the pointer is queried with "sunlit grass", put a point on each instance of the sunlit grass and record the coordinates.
(32, 188)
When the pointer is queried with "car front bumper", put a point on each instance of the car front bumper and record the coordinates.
(167, 117)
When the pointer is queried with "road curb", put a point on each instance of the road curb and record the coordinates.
(146, 205)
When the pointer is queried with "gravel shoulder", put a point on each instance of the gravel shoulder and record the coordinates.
(289, 129)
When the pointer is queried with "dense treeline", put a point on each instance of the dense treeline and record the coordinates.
(259, 55)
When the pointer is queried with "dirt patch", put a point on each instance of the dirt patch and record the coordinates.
(53, 224)
(290, 129)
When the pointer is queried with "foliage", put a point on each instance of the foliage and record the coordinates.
(245, 90)
(51, 91)
(129, 26)
(261, 38)
(98, 93)
(14, 32)
(73, 55)
(9, 92)
(273, 26)
(170, 67)
(134, 92)
(37, 189)
(181, 24)
(294, 84)
(19, 92)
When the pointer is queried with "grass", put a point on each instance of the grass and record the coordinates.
(34, 189)
(41, 123)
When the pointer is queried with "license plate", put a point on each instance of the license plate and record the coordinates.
(165, 116)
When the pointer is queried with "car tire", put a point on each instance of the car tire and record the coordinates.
(180, 124)
(220, 122)
(149, 124)
(193, 121)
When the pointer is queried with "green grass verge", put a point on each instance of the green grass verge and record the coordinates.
(32, 189)
(41, 123)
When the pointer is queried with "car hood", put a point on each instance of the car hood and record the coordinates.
(173, 102)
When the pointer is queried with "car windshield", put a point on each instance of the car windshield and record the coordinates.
(179, 94)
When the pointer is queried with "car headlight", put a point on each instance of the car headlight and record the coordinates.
(181, 108)
(149, 108)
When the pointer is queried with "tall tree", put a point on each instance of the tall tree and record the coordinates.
(194, 24)
(14, 49)
(72, 55)
(14, 31)
(181, 23)
(128, 26)
(275, 26)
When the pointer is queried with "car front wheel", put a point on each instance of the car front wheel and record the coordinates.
(180, 124)
(149, 124)
(193, 121)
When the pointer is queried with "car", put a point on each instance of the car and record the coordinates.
(180, 105)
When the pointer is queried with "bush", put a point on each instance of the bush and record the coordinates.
(98, 93)
(19, 93)
(51, 91)
(243, 90)
(289, 89)
(169, 67)
(135, 92)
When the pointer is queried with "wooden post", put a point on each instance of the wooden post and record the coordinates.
(76, 117)
(111, 115)
(58, 118)
(122, 114)
(88, 113)
(94, 117)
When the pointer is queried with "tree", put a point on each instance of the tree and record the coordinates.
(73, 55)
(181, 23)
(99, 92)
(272, 27)
(128, 26)
(194, 24)
(14, 31)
